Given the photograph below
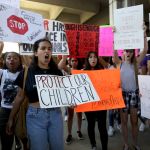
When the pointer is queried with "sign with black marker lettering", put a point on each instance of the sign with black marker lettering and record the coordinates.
(59, 91)
(55, 32)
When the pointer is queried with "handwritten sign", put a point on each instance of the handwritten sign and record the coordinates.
(107, 85)
(55, 32)
(82, 38)
(25, 49)
(20, 25)
(144, 82)
(58, 91)
(13, 3)
(129, 28)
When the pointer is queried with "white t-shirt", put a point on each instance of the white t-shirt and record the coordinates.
(8, 89)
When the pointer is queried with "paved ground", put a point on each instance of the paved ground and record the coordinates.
(114, 143)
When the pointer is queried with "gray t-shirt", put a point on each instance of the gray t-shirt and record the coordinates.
(128, 80)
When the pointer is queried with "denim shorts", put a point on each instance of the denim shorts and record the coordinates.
(45, 128)
(131, 99)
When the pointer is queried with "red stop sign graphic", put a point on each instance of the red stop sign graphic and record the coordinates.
(17, 25)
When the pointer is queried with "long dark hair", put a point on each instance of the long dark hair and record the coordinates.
(34, 63)
(87, 64)
(20, 61)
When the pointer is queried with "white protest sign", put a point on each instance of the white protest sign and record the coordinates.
(13, 3)
(55, 31)
(129, 28)
(144, 82)
(19, 25)
(25, 49)
(58, 91)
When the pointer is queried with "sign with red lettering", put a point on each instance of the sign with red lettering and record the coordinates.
(17, 25)
(82, 39)
(55, 32)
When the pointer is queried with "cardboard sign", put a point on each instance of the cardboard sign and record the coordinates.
(58, 91)
(129, 28)
(13, 3)
(55, 32)
(107, 85)
(20, 25)
(144, 82)
(82, 39)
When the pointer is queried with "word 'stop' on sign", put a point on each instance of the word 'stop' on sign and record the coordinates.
(17, 25)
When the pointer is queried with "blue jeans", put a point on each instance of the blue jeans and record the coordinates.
(45, 128)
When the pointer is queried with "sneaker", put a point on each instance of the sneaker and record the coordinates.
(136, 147)
(66, 118)
(80, 136)
(83, 117)
(142, 127)
(69, 139)
(110, 131)
(118, 126)
(94, 148)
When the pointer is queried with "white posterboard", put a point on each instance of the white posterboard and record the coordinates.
(59, 91)
(129, 32)
(19, 25)
(13, 3)
(144, 87)
(55, 32)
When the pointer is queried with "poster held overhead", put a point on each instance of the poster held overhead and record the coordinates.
(129, 32)
(20, 25)
(13, 3)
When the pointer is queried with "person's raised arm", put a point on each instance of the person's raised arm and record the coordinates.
(62, 62)
(144, 52)
(1, 47)
(16, 106)
(117, 61)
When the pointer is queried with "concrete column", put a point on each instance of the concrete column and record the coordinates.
(112, 7)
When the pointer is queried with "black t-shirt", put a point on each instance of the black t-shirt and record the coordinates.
(30, 84)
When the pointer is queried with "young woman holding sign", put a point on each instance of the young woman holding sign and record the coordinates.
(92, 63)
(129, 71)
(44, 126)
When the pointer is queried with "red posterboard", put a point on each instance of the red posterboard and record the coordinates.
(107, 84)
(82, 39)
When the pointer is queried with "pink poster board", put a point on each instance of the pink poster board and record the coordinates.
(105, 41)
